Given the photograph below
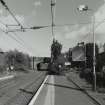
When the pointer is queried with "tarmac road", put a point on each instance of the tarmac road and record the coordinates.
(57, 90)
(19, 90)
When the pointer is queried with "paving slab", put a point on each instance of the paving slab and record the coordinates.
(99, 97)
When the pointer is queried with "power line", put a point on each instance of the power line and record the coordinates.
(2, 23)
(15, 39)
(52, 14)
(9, 34)
(7, 8)
(21, 41)
(24, 43)
(99, 23)
(28, 47)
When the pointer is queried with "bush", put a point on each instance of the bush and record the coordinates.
(99, 77)
(19, 60)
(20, 67)
(2, 69)
(87, 74)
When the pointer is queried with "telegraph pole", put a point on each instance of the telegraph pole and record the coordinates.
(33, 62)
(52, 24)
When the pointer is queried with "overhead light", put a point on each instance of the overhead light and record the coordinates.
(83, 8)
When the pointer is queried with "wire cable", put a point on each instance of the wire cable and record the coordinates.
(7, 8)
(99, 23)
(15, 39)
(22, 41)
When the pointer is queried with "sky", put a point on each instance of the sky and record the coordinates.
(38, 13)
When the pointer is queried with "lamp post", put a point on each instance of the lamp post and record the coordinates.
(85, 8)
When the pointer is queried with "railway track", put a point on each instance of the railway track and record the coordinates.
(25, 94)
(6, 83)
(20, 89)
(33, 99)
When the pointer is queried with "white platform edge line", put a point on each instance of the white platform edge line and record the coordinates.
(37, 93)
(50, 93)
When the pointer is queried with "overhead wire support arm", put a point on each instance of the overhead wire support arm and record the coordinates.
(6, 7)
(37, 27)
(28, 28)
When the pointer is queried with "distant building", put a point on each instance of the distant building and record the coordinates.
(78, 53)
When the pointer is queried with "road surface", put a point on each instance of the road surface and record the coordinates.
(57, 90)
(19, 90)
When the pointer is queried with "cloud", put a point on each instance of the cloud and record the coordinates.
(100, 30)
(34, 12)
(100, 16)
(58, 36)
(1, 11)
(77, 32)
(69, 36)
(66, 28)
(10, 20)
(37, 3)
(100, 13)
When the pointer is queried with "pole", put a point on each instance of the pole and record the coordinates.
(52, 25)
(52, 16)
(85, 8)
(85, 55)
(94, 58)
(33, 63)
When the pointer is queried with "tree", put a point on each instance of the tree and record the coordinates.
(56, 48)
(89, 54)
(9, 58)
(70, 55)
(18, 60)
